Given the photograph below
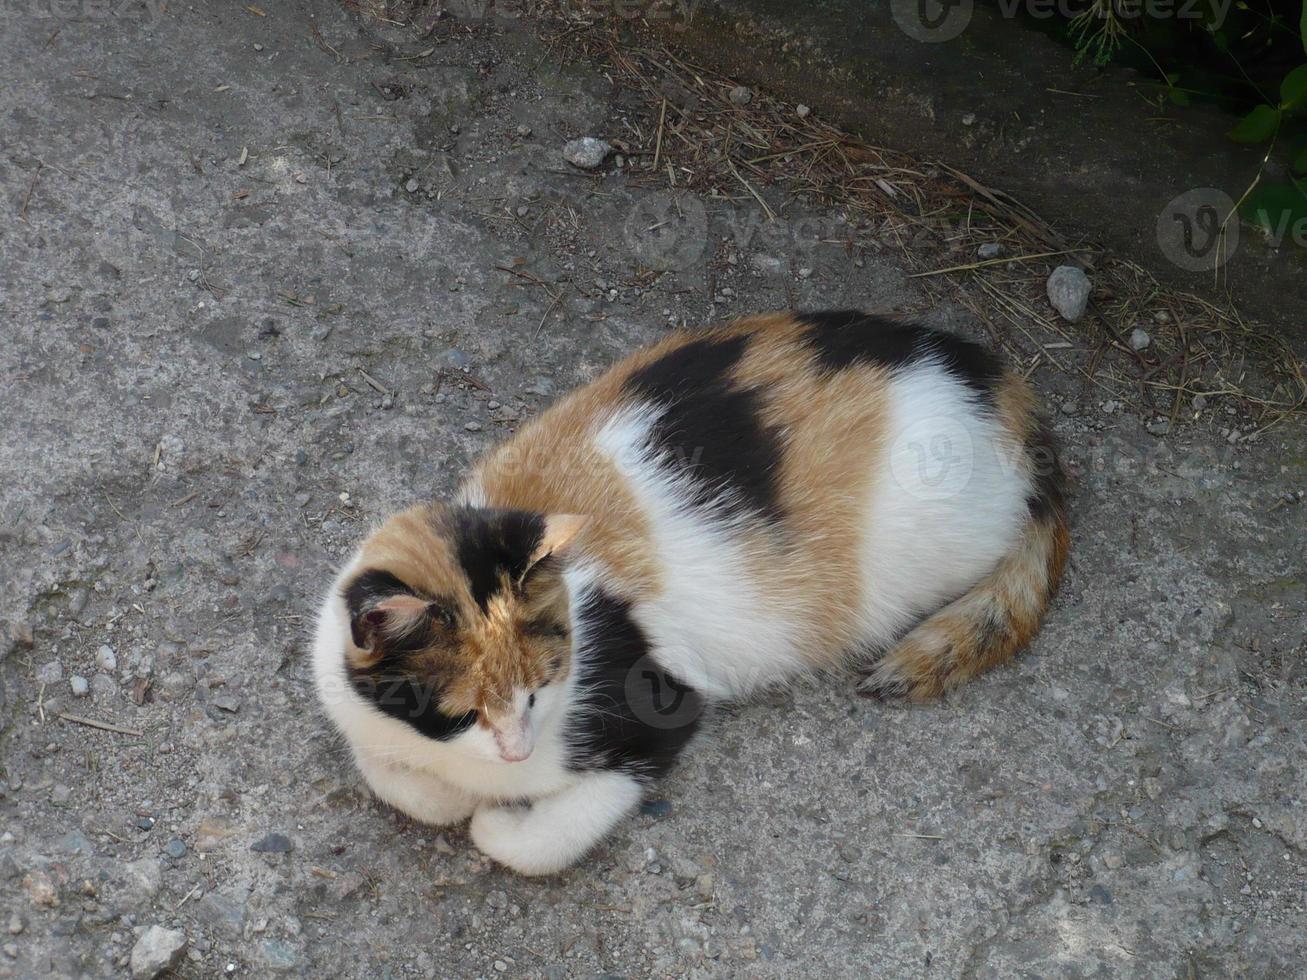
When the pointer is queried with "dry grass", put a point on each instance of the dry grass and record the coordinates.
(687, 133)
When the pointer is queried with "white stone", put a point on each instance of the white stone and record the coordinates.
(1068, 291)
(586, 152)
(156, 951)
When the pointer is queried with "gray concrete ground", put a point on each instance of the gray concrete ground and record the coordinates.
(250, 303)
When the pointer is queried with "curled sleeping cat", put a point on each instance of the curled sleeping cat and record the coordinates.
(717, 513)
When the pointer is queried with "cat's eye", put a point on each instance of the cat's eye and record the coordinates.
(546, 629)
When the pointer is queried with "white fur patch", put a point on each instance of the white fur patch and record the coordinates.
(948, 501)
(711, 624)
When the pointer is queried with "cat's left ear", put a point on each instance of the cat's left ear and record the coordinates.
(560, 531)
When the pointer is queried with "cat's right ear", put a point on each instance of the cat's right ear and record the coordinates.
(382, 611)
(376, 625)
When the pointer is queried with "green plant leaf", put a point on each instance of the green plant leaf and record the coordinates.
(1178, 96)
(1300, 162)
(1256, 127)
(1276, 209)
(1293, 90)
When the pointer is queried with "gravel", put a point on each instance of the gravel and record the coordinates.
(809, 832)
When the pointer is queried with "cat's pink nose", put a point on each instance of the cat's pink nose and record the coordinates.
(516, 743)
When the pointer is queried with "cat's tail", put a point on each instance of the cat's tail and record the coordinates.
(1001, 614)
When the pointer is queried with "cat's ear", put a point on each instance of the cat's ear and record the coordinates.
(560, 531)
(396, 616)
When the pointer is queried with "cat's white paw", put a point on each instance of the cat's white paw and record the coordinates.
(422, 796)
(558, 830)
(504, 834)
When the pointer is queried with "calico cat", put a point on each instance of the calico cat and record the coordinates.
(716, 514)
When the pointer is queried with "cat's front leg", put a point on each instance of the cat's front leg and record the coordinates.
(555, 831)
(421, 795)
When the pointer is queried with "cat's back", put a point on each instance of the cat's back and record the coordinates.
(734, 477)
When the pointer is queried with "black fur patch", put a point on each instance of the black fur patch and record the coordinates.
(409, 700)
(1047, 501)
(710, 428)
(491, 543)
(388, 684)
(371, 587)
(633, 714)
(843, 338)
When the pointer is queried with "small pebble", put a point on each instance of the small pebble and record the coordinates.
(106, 659)
(524, 131)
(411, 186)
(472, 426)
(157, 950)
(586, 152)
(50, 673)
(656, 808)
(1139, 339)
(273, 843)
(989, 250)
(103, 688)
(175, 848)
(80, 685)
(802, 110)
(1068, 290)
(741, 95)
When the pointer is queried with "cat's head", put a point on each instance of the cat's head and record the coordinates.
(460, 626)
